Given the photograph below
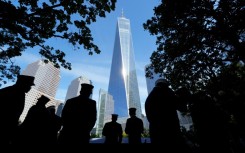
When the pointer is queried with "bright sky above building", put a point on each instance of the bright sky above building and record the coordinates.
(97, 67)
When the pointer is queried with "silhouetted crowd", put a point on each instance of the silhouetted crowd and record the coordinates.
(213, 129)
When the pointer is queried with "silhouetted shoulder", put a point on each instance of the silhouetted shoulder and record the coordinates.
(72, 99)
(93, 101)
(6, 90)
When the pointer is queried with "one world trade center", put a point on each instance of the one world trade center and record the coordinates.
(123, 83)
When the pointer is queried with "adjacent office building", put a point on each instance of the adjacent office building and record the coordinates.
(104, 110)
(47, 78)
(73, 91)
(75, 87)
(123, 83)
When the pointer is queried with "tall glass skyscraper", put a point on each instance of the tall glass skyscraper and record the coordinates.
(123, 84)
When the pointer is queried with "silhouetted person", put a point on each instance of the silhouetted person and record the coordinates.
(112, 131)
(161, 112)
(78, 117)
(11, 107)
(134, 127)
(210, 123)
(55, 124)
(35, 129)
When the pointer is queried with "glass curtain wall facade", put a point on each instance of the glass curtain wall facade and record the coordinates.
(105, 109)
(123, 83)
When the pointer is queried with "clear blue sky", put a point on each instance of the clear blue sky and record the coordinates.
(97, 67)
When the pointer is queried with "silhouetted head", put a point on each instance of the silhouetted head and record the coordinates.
(161, 82)
(132, 111)
(114, 117)
(43, 100)
(25, 82)
(51, 109)
(86, 89)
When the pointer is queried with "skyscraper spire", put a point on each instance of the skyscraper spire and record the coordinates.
(122, 13)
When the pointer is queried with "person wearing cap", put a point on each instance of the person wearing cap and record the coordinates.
(134, 127)
(78, 117)
(35, 128)
(161, 112)
(12, 106)
(112, 131)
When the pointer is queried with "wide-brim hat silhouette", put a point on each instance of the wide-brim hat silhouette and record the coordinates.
(25, 79)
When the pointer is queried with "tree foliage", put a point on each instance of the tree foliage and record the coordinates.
(30, 23)
(197, 40)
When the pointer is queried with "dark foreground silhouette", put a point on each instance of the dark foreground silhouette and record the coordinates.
(112, 131)
(78, 118)
(12, 100)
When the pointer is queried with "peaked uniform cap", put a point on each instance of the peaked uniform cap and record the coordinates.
(114, 115)
(162, 81)
(51, 107)
(87, 86)
(44, 98)
(25, 79)
(132, 109)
